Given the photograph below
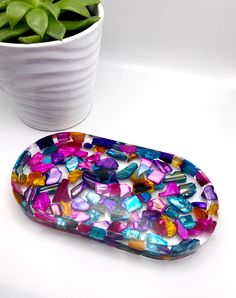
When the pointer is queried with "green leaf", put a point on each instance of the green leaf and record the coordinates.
(3, 5)
(31, 2)
(89, 2)
(7, 33)
(79, 25)
(55, 29)
(30, 39)
(52, 8)
(48, 1)
(75, 6)
(3, 19)
(15, 12)
(37, 19)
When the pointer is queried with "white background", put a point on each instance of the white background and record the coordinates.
(166, 80)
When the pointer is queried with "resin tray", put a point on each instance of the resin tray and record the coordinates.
(137, 199)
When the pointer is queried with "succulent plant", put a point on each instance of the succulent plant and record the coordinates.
(33, 21)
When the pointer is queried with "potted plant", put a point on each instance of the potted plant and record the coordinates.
(48, 57)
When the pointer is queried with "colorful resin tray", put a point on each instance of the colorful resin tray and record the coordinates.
(137, 199)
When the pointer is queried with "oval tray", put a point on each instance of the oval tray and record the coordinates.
(137, 199)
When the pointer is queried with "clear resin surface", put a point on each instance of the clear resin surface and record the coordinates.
(137, 199)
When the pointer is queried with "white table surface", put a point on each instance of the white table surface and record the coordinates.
(177, 111)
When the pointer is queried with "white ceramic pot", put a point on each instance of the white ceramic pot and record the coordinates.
(51, 83)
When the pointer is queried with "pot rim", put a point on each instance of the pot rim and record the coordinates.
(59, 42)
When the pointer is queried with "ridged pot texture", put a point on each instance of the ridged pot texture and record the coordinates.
(51, 83)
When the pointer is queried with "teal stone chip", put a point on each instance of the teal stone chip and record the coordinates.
(61, 222)
(119, 214)
(72, 164)
(127, 171)
(154, 248)
(159, 186)
(97, 233)
(148, 153)
(172, 212)
(133, 203)
(27, 207)
(94, 216)
(188, 190)
(20, 170)
(117, 146)
(155, 239)
(116, 154)
(93, 198)
(177, 176)
(151, 247)
(24, 204)
(95, 168)
(100, 208)
(189, 168)
(29, 210)
(187, 221)
(130, 234)
(185, 246)
(50, 189)
(180, 203)
(51, 149)
(22, 159)
(47, 160)
(146, 196)
(66, 223)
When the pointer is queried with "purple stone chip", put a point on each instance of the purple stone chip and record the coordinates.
(201, 205)
(151, 215)
(209, 193)
(108, 163)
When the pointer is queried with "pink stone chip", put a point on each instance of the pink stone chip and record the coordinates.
(102, 189)
(183, 233)
(202, 179)
(129, 149)
(68, 149)
(85, 165)
(63, 137)
(81, 153)
(171, 190)
(134, 216)
(156, 204)
(114, 189)
(35, 159)
(102, 224)
(62, 192)
(111, 190)
(45, 217)
(41, 167)
(145, 165)
(74, 214)
(56, 209)
(156, 176)
(125, 189)
(81, 216)
(117, 227)
(93, 158)
(42, 202)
